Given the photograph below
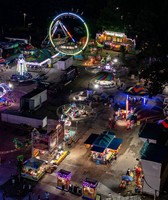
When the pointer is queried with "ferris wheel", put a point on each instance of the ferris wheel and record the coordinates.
(68, 33)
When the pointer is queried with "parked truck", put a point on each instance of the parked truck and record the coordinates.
(33, 100)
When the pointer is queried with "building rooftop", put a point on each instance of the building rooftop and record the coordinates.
(151, 131)
(154, 152)
(65, 58)
(33, 93)
(17, 113)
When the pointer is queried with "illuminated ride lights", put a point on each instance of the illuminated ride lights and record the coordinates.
(63, 40)
(4, 89)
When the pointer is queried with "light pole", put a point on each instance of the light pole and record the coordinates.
(24, 18)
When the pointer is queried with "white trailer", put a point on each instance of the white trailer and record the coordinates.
(65, 62)
(15, 117)
(33, 100)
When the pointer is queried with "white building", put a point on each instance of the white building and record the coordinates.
(33, 100)
(154, 161)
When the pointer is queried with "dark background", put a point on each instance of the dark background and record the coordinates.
(145, 20)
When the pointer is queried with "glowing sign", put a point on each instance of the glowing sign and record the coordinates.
(117, 34)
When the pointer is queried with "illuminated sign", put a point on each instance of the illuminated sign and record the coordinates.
(117, 34)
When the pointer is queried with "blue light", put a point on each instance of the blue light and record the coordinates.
(144, 100)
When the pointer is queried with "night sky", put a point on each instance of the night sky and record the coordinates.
(45, 10)
(146, 18)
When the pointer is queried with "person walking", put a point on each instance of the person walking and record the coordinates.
(47, 195)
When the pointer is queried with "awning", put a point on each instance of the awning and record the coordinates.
(91, 138)
(115, 143)
(98, 149)
(104, 139)
(137, 90)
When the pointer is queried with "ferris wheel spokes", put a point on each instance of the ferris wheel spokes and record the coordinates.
(67, 40)
(62, 25)
(54, 28)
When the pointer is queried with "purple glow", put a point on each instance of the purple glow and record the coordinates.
(90, 183)
(64, 174)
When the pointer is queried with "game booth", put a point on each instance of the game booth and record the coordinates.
(89, 189)
(63, 179)
(33, 169)
(103, 147)
(114, 40)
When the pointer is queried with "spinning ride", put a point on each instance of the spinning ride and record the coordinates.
(74, 111)
(68, 33)
(104, 80)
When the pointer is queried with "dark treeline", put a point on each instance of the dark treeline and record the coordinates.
(145, 20)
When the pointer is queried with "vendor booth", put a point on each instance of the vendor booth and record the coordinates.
(89, 189)
(63, 179)
(33, 169)
(104, 147)
(114, 40)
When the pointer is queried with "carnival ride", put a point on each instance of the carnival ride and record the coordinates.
(6, 95)
(68, 33)
(104, 80)
(74, 110)
(22, 73)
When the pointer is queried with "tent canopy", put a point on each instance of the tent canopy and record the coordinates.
(115, 143)
(98, 149)
(137, 90)
(33, 163)
(104, 139)
(91, 138)
(104, 76)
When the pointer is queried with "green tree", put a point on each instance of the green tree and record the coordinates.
(123, 53)
(111, 17)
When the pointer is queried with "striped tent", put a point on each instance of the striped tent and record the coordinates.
(104, 76)
(137, 90)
